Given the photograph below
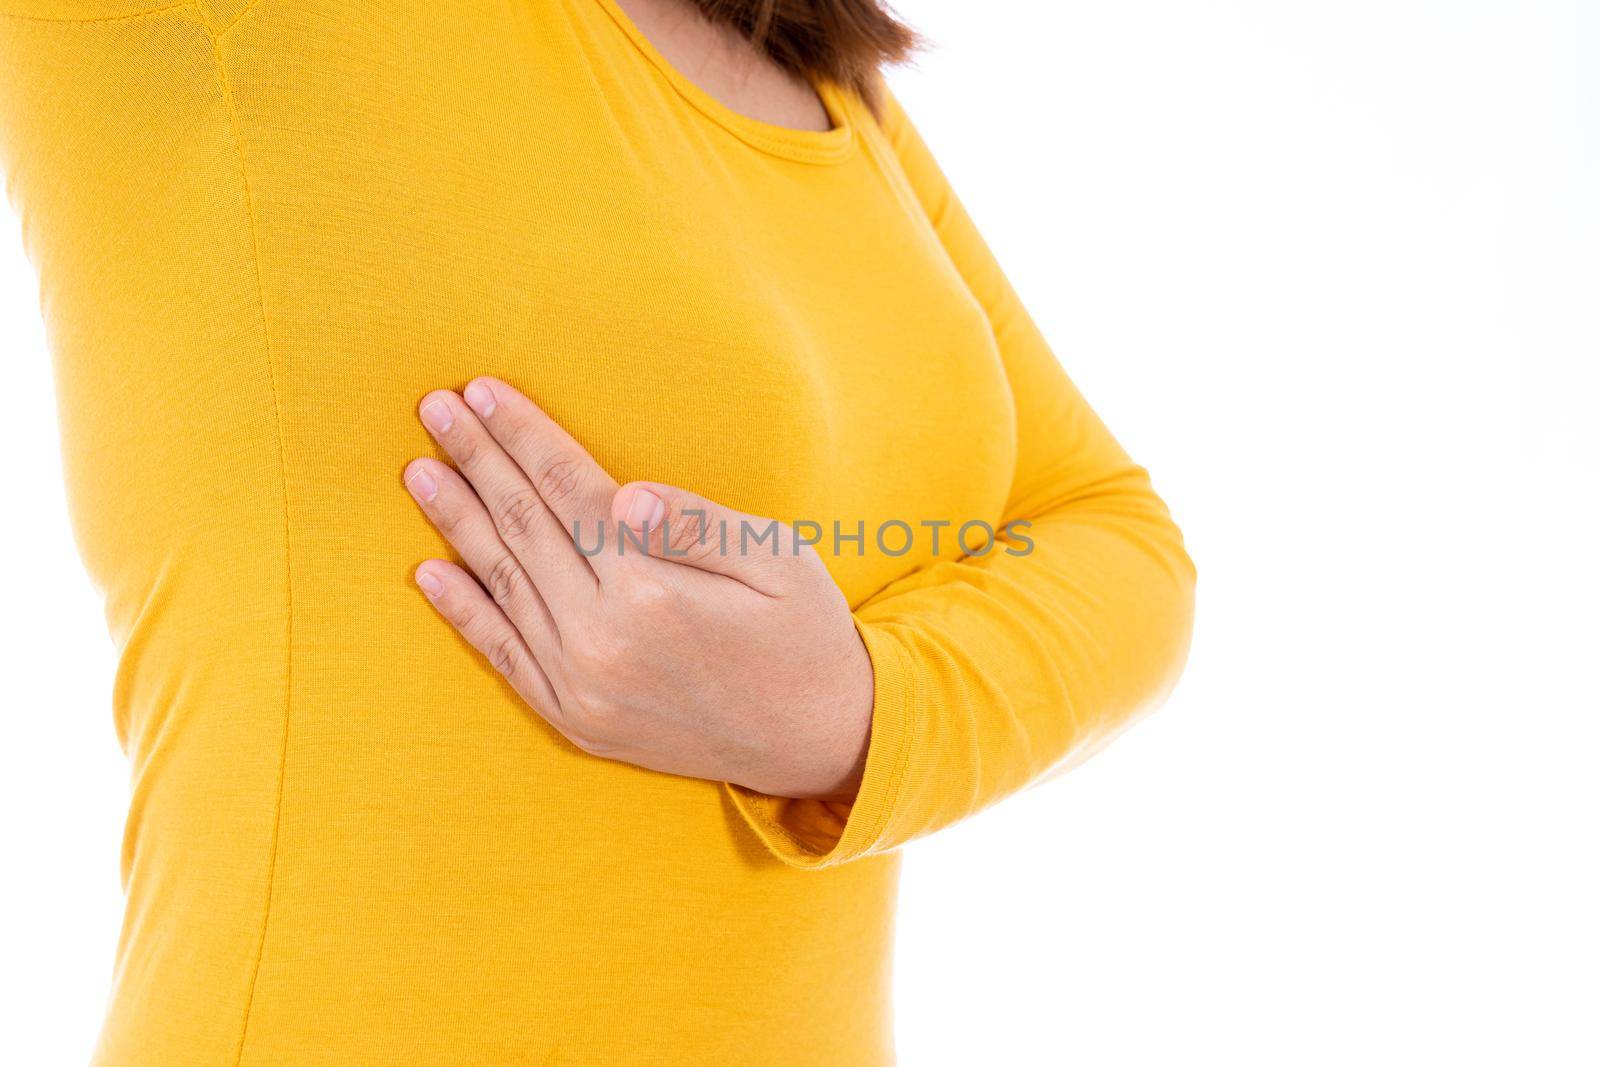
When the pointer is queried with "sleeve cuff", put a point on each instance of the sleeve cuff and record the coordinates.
(818, 833)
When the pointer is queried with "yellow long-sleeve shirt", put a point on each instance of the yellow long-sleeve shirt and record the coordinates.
(263, 229)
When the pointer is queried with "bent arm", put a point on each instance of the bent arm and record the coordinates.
(994, 671)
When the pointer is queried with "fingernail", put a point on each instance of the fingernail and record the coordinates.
(422, 485)
(480, 398)
(436, 416)
(645, 509)
(429, 584)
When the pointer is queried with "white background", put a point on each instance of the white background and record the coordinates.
(1332, 271)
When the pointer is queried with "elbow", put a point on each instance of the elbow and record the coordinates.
(1173, 610)
(1182, 615)
(1166, 592)
(1137, 512)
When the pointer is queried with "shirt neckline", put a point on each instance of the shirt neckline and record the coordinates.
(805, 146)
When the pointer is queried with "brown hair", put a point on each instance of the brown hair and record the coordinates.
(843, 41)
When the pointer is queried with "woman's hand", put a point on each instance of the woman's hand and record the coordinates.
(683, 645)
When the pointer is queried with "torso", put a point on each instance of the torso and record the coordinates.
(350, 843)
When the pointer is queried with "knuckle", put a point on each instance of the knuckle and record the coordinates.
(559, 478)
(587, 734)
(504, 654)
(594, 723)
(517, 513)
(590, 657)
(598, 654)
(688, 537)
(447, 513)
(504, 580)
(515, 432)
(464, 617)
(646, 595)
(465, 450)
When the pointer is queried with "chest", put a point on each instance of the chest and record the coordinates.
(782, 336)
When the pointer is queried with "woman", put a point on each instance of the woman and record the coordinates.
(580, 269)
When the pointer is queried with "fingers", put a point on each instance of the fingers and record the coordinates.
(465, 605)
(688, 529)
(568, 479)
(457, 513)
(516, 510)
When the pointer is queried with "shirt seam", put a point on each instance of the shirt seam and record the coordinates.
(283, 467)
(220, 31)
(741, 127)
(93, 20)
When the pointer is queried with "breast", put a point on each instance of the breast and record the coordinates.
(780, 337)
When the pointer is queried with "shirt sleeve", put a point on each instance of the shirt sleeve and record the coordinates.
(992, 672)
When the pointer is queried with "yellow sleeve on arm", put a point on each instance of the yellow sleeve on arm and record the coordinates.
(993, 671)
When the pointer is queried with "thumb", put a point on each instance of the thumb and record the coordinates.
(685, 528)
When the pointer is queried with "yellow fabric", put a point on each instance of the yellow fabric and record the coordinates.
(263, 229)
